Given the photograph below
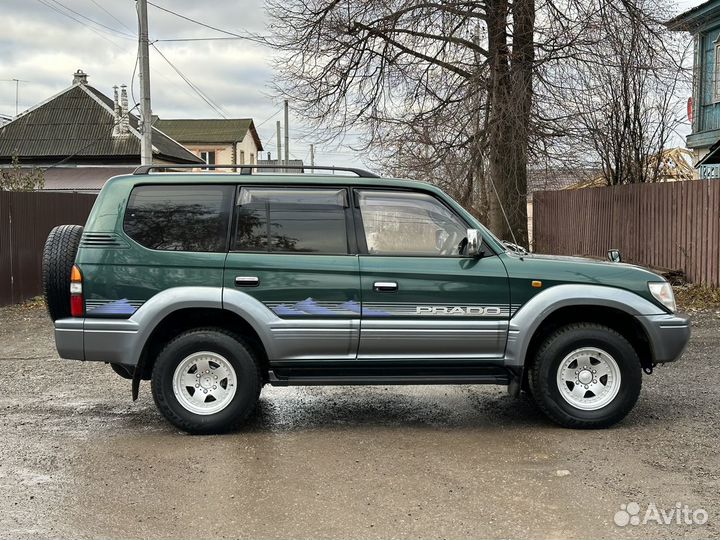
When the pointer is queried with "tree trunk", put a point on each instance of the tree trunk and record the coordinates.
(510, 99)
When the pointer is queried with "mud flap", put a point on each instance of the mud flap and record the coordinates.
(136, 381)
(515, 384)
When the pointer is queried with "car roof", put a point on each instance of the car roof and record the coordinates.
(270, 178)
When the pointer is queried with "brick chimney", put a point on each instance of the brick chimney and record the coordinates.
(80, 77)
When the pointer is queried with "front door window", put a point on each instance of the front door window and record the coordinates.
(402, 223)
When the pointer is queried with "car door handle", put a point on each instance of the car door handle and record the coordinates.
(385, 286)
(247, 281)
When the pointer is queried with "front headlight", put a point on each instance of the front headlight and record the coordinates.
(663, 293)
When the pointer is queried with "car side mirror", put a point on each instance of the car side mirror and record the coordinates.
(474, 242)
(614, 255)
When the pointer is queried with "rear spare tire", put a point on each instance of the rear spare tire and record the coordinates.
(59, 253)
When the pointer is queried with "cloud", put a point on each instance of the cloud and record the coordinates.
(43, 47)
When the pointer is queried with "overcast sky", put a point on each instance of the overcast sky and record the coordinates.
(42, 45)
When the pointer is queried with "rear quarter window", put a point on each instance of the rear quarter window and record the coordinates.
(180, 218)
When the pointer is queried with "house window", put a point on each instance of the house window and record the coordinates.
(242, 157)
(252, 159)
(208, 156)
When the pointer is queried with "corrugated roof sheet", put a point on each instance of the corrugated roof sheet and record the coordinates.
(74, 124)
(208, 130)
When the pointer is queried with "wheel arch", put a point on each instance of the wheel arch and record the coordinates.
(184, 319)
(623, 323)
(616, 308)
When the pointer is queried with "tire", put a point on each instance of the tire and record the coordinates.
(180, 401)
(59, 254)
(126, 372)
(558, 372)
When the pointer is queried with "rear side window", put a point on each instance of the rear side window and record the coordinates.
(304, 220)
(179, 218)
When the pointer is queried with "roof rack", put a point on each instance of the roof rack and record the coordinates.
(248, 169)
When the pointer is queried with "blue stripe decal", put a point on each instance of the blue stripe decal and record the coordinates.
(118, 307)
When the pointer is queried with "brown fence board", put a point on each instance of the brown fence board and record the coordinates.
(26, 218)
(670, 225)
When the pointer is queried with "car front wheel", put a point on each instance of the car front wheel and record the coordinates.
(586, 375)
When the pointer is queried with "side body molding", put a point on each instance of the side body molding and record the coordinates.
(287, 339)
(530, 316)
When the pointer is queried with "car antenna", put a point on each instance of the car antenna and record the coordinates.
(502, 208)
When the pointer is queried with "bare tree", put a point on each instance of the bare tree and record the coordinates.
(465, 94)
(621, 91)
(398, 66)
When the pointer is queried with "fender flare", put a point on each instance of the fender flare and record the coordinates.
(525, 322)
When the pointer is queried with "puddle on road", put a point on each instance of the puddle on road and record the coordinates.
(328, 462)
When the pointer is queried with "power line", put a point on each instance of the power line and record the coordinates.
(238, 36)
(55, 9)
(114, 17)
(199, 92)
(123, 34)
(269, 118)
(203, 39)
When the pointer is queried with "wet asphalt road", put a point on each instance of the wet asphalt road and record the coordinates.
(80, 460)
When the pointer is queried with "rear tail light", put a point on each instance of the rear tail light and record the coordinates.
(77, 301)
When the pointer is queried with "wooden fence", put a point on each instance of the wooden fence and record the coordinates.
(26, 219)
(674, 226)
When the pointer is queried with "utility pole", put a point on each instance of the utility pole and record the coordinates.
(17, 91)
(312, 156)
(279, 145)
(287, 135)
(145, 109)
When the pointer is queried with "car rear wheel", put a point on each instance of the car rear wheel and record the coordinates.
(206, 381)
(59, 254)
(586, 375)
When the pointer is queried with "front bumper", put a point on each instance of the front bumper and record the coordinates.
(98, 340)
(668, 334)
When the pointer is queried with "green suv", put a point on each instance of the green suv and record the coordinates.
(211, 285)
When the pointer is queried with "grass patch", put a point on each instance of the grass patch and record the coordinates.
(697, 297)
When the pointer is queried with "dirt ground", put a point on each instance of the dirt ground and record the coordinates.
(81, 460)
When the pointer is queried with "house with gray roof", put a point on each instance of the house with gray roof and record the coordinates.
(80, 137)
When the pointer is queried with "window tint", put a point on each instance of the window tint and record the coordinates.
(298, 220)
(179, 218)
(401, 223)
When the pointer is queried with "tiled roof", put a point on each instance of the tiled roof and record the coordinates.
(78, 123)
(209, 130)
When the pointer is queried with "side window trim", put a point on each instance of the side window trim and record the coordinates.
(360, 227)
(350, 222)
